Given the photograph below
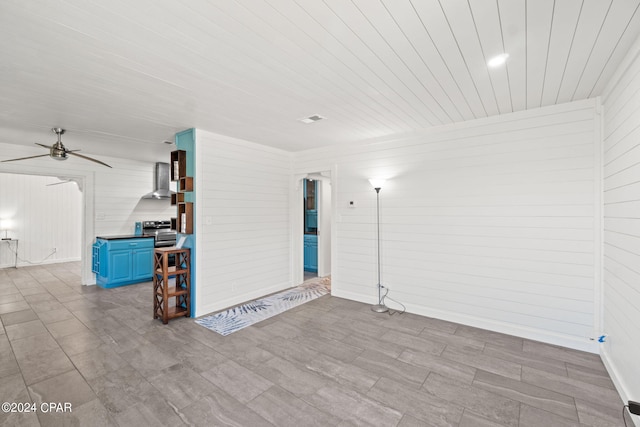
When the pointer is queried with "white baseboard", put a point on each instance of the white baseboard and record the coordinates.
(202, 310)
(548, 337)
(619, 384)
(47, 261)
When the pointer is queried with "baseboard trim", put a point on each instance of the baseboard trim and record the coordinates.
(237, 299)
(548, 337)
(47, 261)
(618, 383)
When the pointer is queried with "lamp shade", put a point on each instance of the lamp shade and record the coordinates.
(377, 182)
(5, 224)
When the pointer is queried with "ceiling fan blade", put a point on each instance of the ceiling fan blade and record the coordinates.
(88, 158)
(45, 146)
(24, 158)
(58, 183)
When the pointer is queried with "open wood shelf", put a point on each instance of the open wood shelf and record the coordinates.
(177, 312)
(184, 221)
(172, 271)
(185, 184)
(178, 164)
(185, 218)
(177, 198)
(179, 291)
(173, 292)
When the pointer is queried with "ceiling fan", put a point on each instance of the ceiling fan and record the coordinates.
(58, 151)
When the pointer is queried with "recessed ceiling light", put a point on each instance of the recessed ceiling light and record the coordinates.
(312, 119)
(496, 61)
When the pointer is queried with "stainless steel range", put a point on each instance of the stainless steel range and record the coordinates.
(161, 231)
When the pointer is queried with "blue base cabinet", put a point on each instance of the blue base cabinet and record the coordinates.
(311, 252)
(122, 261)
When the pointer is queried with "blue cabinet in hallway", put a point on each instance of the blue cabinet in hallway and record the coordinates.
(310, 190)
(311, 220)
(311, 252)
(119, 261)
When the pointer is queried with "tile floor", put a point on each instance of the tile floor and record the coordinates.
(330, 362)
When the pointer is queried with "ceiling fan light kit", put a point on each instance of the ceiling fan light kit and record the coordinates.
(58, 151)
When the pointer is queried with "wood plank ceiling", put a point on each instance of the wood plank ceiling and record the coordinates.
(136, 71)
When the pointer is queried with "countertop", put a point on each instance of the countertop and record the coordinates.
(126, 236)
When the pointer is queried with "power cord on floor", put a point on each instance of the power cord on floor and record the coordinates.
(385, 296)
(27, 261)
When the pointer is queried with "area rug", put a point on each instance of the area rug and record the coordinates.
(232, 320)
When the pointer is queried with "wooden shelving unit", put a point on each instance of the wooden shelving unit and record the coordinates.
(185, 184)
(171, 284)
(177, 198)
(184, 220)
(178, 164)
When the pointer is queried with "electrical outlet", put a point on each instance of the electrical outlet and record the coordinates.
(634, 407)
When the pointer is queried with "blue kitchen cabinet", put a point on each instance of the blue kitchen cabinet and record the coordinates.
(312, 220)
(142, 264)
(120, 266)
(310, 189)
(311, 252)
(119, 261)
(100, 263)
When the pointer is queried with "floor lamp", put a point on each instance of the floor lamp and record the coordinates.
(377, 185)
(5, 225)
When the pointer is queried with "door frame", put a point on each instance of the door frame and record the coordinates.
(297, 224)
(87, 181)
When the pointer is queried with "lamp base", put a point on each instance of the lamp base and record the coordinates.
(379, 308)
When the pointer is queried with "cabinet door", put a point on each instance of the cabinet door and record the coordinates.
(307, 255)
(312, 220)
(142, 263)
(119, 266)
(310, 253)
(313, 256)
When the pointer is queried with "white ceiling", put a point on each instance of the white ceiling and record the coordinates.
(123, 72)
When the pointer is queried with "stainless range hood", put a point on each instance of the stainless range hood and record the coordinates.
(162, 179)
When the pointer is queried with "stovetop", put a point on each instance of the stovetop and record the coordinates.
(161, 230)
(156, 225)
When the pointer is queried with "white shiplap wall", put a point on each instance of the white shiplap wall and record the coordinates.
(40, 230)
(118, 197)
(491, 222)
(242, 221)
(621, 135)
(111, 197)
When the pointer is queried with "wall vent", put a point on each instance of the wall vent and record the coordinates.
(312, 119)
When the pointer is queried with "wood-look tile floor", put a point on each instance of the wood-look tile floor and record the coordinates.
(330, 362)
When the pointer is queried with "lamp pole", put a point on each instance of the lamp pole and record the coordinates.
(380, 307)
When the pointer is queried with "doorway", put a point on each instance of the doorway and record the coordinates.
(313, 231)
(42, 217)
(310, 227)
(85, 181)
